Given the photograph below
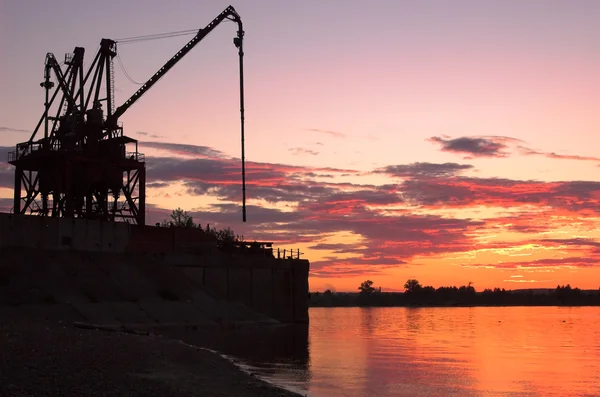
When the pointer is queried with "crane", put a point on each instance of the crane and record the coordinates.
(81, 167)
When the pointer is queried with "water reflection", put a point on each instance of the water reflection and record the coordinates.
(367, 323)
(397, 364)
(512, 351)
(529, 351)
(413, 319)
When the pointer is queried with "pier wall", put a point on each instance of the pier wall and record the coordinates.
(135, 268)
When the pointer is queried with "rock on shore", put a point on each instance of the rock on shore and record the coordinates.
(43, 359)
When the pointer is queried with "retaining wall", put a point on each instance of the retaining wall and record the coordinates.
(95, 262)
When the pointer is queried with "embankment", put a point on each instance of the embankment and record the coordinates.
(117, 274)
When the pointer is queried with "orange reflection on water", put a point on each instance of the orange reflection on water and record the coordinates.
(540, 350)
(516, 351)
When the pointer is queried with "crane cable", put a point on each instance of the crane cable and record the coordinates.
(125, 71)
(156, 36)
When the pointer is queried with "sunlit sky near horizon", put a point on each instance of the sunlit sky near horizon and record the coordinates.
(451, 142)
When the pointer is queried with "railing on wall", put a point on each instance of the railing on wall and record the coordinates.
(289, 253)
(266, 249)
(135, 156)
(23, 150)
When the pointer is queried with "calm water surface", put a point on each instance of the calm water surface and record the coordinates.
(511, 351)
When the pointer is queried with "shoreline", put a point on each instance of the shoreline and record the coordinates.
(248, 371)
(240, 365)
(415, 306)
(59, 359)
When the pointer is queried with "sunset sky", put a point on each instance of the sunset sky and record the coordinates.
(448, 141)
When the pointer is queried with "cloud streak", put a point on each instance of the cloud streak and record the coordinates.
(476, 146)
(183, 149)
(302, 151)
(538, 264)
(530, 152)
(148, 134)
(334, 134)
(10, 129)
(424, 170)
(497, 147)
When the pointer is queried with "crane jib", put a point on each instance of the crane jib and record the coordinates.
(230, 14)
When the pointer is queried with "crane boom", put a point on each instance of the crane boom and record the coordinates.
(229, 13)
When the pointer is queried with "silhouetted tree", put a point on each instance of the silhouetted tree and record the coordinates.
(366, 288)
(412, 285)
(179, 218)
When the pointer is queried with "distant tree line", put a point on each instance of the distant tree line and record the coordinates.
(417, 295)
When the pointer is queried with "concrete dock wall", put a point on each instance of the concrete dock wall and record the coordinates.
(96, 262)
(63, 234)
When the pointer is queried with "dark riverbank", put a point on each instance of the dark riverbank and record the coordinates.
(43, 359)
(458, 297)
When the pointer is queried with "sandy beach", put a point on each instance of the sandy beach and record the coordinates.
(42, 359)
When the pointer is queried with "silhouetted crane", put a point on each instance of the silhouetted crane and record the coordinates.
(82, 166)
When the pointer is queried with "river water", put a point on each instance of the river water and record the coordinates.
(482, 351)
